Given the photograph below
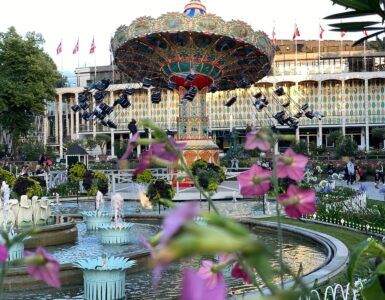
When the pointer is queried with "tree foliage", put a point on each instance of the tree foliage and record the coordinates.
(28, 77)
(357, 9)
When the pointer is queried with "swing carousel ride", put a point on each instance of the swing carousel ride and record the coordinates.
(194, 53)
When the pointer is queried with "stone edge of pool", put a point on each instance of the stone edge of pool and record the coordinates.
(336, 262)
(336, 252)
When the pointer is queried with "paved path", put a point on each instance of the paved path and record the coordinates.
(229, 190)
(371, 191)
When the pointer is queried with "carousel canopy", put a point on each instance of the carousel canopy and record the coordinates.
(192, 49)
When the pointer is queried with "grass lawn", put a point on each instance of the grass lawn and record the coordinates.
(348, 237)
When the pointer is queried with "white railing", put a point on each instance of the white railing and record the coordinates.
(337, 292)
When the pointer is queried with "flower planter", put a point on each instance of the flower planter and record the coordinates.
(105, 278)
(115, 233)
(95, 219)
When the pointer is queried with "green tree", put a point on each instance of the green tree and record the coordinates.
(355, 9)
(28, 77)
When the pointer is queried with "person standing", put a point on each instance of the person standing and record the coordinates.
(379, 174)
(351, 172)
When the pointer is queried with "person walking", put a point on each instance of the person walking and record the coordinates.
(351, 171)
(379, 174)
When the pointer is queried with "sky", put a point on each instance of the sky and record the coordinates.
(68, 20)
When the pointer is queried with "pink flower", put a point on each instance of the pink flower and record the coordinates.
(257, 139)
(3, 253)
(238, 272)
(171, 225)
(298, 202)
(43, 266)
(131, 145)
(255, 181)
(144, 162)
(177, 218)
(194, 287)
(291, 165)
(158, 269)
(159, 152)
(206, 273)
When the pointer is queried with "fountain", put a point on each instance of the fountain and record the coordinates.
(116, 232)
(105, 277)
(98, 217)
(17, 249)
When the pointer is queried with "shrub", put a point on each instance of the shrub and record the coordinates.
(160, 192)
(66, 189)
(209, 175)
(31, 150)
(27, 186)
(40, 180)
(8, 177)
(145, 177)
(346, 147)
(94, 182)
(300, 147)
(77, 172)
(101, 182)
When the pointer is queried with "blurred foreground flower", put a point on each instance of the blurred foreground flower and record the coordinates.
(164, 154)
(194, 287)
(298, 202)
(43, 266)
(254, 182)
(131, 145)
(177, 218)
(238, 272)
(257, 140)
(291, 165)
(3, 253)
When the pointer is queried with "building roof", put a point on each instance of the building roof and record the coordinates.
(76, 150)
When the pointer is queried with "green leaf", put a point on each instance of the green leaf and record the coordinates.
(365, 38)
(349, 14)
(373, 290)
(351, 26)
(361, 29)
(381, 268)
(368, 248)
(362, 5)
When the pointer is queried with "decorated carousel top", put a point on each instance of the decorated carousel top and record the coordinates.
(192, 49)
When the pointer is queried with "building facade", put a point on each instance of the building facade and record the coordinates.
(344, 84)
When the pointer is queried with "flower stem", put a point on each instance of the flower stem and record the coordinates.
(279, 227)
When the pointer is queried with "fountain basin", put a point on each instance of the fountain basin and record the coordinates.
(321, 256)
(50, 235)
(115, 233)
(105, 278)
(95, 219)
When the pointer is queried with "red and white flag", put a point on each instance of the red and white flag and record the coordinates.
(93, 46)
(274, 37)
(76, 48)
(59, 48)
(296, 32)
(321, 32)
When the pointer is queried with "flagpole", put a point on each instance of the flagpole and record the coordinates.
(78, 53)
(365, 56)
(319, 55)
(296, 56)
(61, 57)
